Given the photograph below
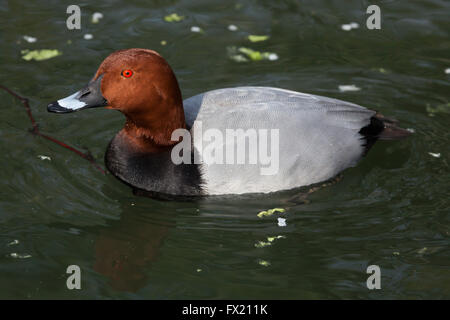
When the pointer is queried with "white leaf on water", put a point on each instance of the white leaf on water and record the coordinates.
(272, 57)
(232, 27)
(96, 16)
(42, 157)
(281, 222)
(29, 39)
(350, 26)
(351, 87)
(13, 242)
(436, 155)
(20, 255)
(264, 263)
(88, 36)
(346, 27)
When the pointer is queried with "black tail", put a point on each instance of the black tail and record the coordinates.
(382, 128)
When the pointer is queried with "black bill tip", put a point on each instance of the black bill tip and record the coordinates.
(57, 108)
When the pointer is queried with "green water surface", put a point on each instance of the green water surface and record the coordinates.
(392, 210)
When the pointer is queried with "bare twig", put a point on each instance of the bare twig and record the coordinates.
(35, 130)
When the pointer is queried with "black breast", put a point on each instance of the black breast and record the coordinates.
(152, 174)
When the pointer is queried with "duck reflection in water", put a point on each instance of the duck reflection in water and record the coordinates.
(125, 249)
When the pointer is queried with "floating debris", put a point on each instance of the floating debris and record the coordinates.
(262, 244)
(272, 57)
(19, 255)
(269, 242)
(281, 222)
(270, 212)
(441, 108)
(447, 71)
(88, 36)
(272, 239)
(346, 27)
(351, 87)
(436, 155)
(14, 242)
(199, 270)
(29, 39)
(264, 263)
(252, 54)
(239, 58)
(410, 130)
(74, 231)
(196, 29)
(396, 253)
(350, 26)
(232, 27)
(381, 70)
(255, 38)
(96, 16)
(243, 54)
(163, 42)
(42, 157)
(40, 55)
(422, 251)
(173, 18)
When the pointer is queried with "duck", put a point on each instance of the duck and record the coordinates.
(227, 141)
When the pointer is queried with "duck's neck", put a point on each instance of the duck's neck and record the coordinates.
(153, 133)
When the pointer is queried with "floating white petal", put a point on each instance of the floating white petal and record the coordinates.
(96, 17)
(42, 157)
(436, 155)
(346, 27)
(14, 242)
(273, 57)
(350, 26)
(281, 222)
(29, 39)
(351, 87)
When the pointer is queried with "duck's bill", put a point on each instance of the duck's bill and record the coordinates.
(89, 97)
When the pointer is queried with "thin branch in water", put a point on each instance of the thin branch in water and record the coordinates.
(35, 130)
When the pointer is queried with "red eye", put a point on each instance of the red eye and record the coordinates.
(127, 73)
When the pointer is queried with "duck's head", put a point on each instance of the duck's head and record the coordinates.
(140, 84)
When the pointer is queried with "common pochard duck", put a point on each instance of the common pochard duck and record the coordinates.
(225, 141)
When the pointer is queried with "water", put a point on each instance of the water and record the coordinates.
(392, 210)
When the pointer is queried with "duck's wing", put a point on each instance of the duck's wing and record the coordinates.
(317, 137)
